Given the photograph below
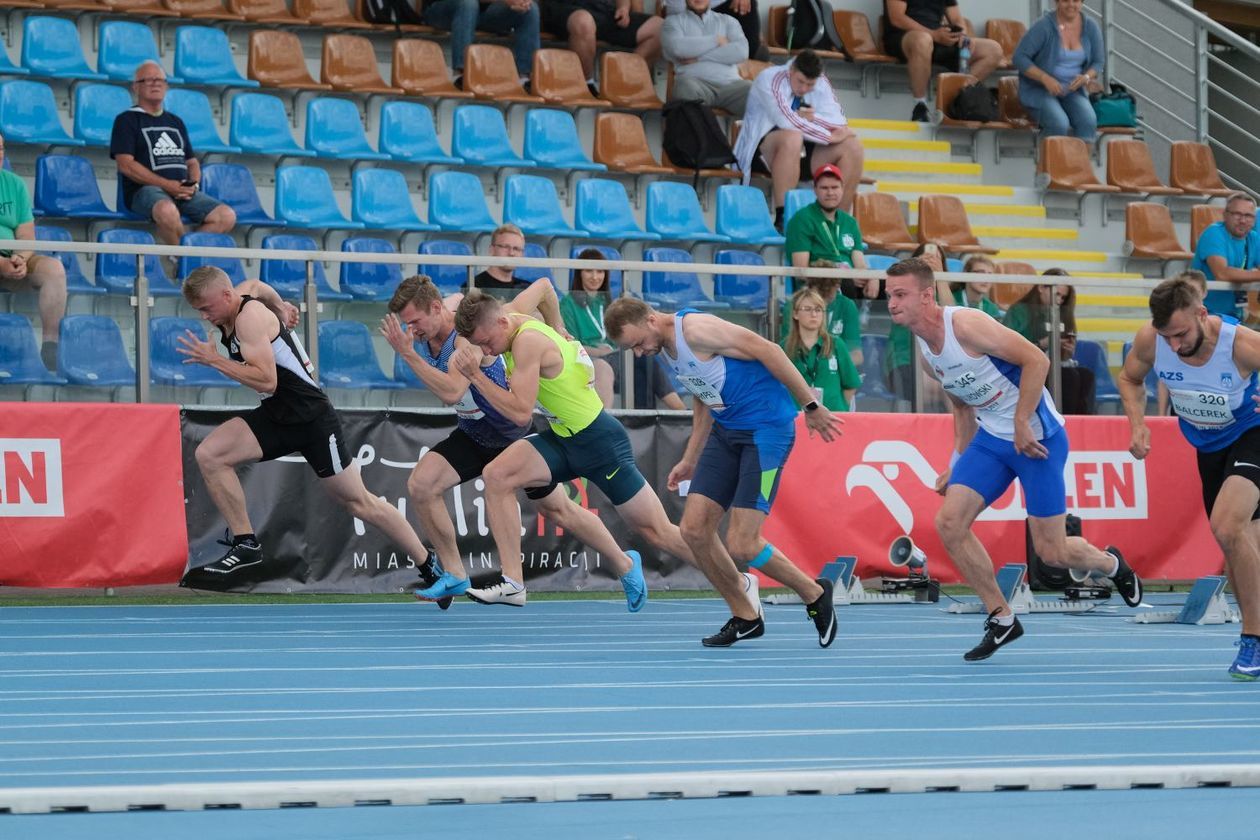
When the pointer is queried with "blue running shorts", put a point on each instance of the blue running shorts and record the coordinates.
(741, 468)
(990, 464)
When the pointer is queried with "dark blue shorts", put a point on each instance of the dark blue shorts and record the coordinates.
(741, 468)
(990, 464)
(601, 453)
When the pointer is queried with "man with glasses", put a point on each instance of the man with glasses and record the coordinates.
(501, 280)
(1229, 250)
(161, 179)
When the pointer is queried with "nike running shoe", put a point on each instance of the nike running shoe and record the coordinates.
(736, 630)
(1128, 584)
(431, 572)
(634, 584)
(823, 613)
(752, 591)
(995, 636)
(443, 589)
(499, 592)
(1247, 664)
(229, 570)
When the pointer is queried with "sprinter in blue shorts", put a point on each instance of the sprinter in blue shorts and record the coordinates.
(743, 427)
(1005, 427)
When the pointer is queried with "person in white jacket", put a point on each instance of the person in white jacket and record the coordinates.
(706, 49)
(792, 126)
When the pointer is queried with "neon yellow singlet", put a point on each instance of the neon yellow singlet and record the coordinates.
(568, 401)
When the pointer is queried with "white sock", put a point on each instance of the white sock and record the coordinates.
(922, 100)
(1116, 570)
(1006, 620)
(515, 583)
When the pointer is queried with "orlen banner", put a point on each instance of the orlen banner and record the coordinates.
(90, 495)
(855, 496)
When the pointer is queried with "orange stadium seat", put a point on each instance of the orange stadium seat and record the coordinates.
(410, 28)
(276, 60)
(152, 8)
(1193, 170)
(943, 219)
(201, 9)
(626, 82)
(331, 13)
(882, 224)
(559, 80)
(349, 64)
(1149, 233)
(1201, 216)
(490, 73)
(1129, 167)
(1010, 110)
(621, 144)
(264, 11)
(1004, 294)
(1007, 33)
(419, 68)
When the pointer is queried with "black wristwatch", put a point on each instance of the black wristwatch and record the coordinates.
(812, 405)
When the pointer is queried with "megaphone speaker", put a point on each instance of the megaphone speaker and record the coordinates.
(903, 552)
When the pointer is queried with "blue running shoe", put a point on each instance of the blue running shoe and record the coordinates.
(446, 586)
(1247, 664)
(634, 584)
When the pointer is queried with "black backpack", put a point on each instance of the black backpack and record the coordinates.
(692, 137)
(810, 24)
(974, 103)
(396, 12)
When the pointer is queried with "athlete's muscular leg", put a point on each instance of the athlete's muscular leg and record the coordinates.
(218, 456)
(427, 486)
(1236, 534)
(700, 519)
(1057, 549)
(518, 467)
(346, 487)
(953, 523)
(743, 536)
(585, 526)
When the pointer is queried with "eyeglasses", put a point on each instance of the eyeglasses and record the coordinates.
(1240, 215)
(511, 249)
(810, 310)
(151, 80)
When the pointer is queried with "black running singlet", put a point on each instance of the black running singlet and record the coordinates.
(297, 398)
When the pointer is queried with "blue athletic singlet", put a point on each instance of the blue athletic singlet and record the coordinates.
(741, 394)
(479, 420)
(1213, 401)
(988, 384)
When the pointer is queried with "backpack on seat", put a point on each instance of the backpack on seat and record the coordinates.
(810, 24)
(974, 103)
(692, 137)
(396, 12)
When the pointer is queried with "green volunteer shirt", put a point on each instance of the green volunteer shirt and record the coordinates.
(830, 374)
(844, 321)
(986, 306)
(585, 320)
(823, 239)
(15, 204)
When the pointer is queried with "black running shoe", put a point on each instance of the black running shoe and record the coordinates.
(430, 572)
(235, 567)
(735, 630)
(920, 113)
(995, 636)
(823, 613)
(1128, 584)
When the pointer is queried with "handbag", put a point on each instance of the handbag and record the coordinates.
(1117, 109)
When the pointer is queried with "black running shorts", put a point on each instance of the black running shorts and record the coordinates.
(469, 459)
(320, 440)
(1241, 458)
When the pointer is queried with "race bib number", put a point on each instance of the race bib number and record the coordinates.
(702, 390)
(1202, 409)
(467, 407)
(584, 359)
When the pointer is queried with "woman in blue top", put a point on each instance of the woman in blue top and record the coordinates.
(1058, 57)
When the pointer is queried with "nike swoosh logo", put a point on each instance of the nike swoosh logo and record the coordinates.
(1246, 464)
(745, 634)
(611, 474)
(1002, 638)
(1249, 669)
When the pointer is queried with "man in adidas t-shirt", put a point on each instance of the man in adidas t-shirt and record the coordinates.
(160, 178)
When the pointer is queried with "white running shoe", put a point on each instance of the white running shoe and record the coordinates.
(752, 591)
(500, 592)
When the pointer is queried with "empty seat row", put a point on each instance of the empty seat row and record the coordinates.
(1065, 166)
(942, 219)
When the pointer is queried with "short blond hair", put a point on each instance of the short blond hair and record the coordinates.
(201, 280)
(623, 312)
(475, 309)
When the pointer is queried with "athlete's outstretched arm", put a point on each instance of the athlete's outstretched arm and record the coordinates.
(701, 425)
(1132, 387)
(449, 386)
(254, 328)
(540, 297)
(516, 402)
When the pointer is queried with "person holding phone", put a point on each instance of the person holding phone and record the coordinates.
(1058, 58)
(928, 33)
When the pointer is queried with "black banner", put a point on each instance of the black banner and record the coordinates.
(315, 546)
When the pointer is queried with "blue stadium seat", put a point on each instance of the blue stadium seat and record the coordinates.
(76, 281)
(260, 126)
(193, 108)
(480, 137)
(953, 264)
(304, 199)
(603, 211)
(50, 47)
(448, 278)
(551, 140)
(457, 202)
(673, 211)
(746, 291)
(531, 203)
(232, 266)
(203, 56)
(19, 354)
(8, 68)
(91, 352)
(124, 45)
(1092, 355)
(405, 375)
(334, 130)
(534, 251)
(794, 201)
(233, 185)
(288, 277)
(166, 363)
(743, 216)
(347, 358)
(674, 289)
(879, 262)
(611, 254)
(116, 273)
(29, 114)
(1152, 378)
(381, 200)
(369, 281)
(65, 187)
(95, 107)
(873, 384)
(407, 133)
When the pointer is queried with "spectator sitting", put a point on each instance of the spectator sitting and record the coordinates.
(744, 11)
(706, 48)
(976, 295)
(924, 33)
(501, 280)
(793, 125)
(583, 22)
(1058, 57)
(843, 322)
(1030, 317)
(161, 179)
(824, 364)
(821, 230)
(463, 19)
(1229, 250)
(22, 269)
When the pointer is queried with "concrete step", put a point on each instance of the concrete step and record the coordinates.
(904, 129)
(932, 172)
(918, 150)
(1017, 213)
(986, 233)
(912, 190)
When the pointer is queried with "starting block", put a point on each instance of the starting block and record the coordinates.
(1012, 580)
(849, 589)
(1206, 604)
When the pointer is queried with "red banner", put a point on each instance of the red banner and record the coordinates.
(855, 496)
(91, 495)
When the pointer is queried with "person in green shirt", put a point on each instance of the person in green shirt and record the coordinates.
(976, 295)
(821, 360)
(22, 268)
(899, 358)
(822, 231)
(1030, 317)
(844, 320)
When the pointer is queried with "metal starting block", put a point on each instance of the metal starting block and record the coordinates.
(1206, 604)
(849, 589)
(1012, 580)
